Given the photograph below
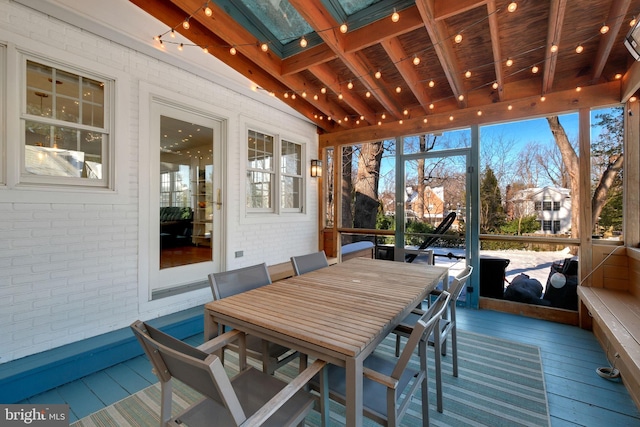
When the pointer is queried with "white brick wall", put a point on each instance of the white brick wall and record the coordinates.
(70, 270)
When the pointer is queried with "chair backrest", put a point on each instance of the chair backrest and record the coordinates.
(421, 332)
(306, 263)
(458, 282)
(203, 372)
(227, 283)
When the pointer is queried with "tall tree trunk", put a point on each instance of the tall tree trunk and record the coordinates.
(602, 190)
(366, 186)
(571, 161)
(347, 187)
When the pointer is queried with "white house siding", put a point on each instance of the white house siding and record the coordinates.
(70, 270)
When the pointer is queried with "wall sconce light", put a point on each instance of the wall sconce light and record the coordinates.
(316, 168)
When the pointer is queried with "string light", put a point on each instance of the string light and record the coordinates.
(416, 60)
(509, 107)
(479, 113)
(431, 106)
(350, 84)
(395, 16)
(512, 7)
(554, 48)
(185, 24)
(604, 29)
(543, 98)
(323, 90)
(233, 50)
(303, 42)
(458, 38)
(344, 28)
(632, 22)
(495, 85)
(534, 69)
(340, 96)
(207, 10)
(264, 47)
(398, 89)
(578, 89)
(579, 48)
(173, 33)
(368, 94)
(378, 74)
(205, 49)
(633, 99)
(460, 97)
(180, 47)
(509, 62)
(467, 74)
(432, 83)
(618, 76)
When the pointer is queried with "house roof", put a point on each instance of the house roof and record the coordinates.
(440, 57)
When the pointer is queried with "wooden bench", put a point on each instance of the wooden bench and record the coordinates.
(615, 316)
(362, 249)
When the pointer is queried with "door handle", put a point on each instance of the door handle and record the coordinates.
(219, 199)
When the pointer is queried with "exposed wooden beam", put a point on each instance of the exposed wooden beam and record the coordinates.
(320, 20)
(326, 75)
(522, 109)
(495, 46)
(405, 66)
(442, 45)
(171, 14)
(617, 15)
(381, 30)
(556, 17)
(223, 26)
(315, 55)
(444, 9)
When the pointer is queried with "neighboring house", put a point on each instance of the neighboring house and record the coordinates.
(550, 205)
(432, 204)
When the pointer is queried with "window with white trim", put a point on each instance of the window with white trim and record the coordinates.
(67, 126)
(275, 183)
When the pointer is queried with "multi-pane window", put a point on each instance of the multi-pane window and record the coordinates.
(274, 174)
(66, 123)
(546, 205)
(291, 175)
(260, 171)
(556, 206)
(174, 189)
(546, 225)
(556, 227)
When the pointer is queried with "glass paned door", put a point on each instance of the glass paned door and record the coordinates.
(435, 210)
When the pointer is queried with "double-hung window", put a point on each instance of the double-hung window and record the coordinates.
(275, 180)
(67, 125)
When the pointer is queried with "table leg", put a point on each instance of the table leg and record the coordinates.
(210, 326)
(354, 393)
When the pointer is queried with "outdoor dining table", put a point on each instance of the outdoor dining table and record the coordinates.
(338, 314)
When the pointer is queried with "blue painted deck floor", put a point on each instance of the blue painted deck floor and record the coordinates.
(577, 395)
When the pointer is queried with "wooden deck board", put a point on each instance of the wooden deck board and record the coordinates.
(577, 396)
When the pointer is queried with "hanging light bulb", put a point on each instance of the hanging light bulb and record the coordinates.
(633, 22)
(350, 84)
(378, 74)
(185, 24)
(395, 16)
(431, 106)
(233, 50)
(617, 76)
(384, 116)
(286, 95)
(205, 49)
(479, 113)
(432, 83)
(303, 42)
(180, 47)
(293, 96)
(323, 90)
(509, 62)
(604, 29)
(554, 48)
(368, 94)
(398, 89)
(264, 47)
(461, 97)
(162, 44)
(344, 28)
(315, 97)
(458, 38)
(467, 74)
(173, 33)
(208, 11)
(510, 107)
(543, 98)
(579, 48)
(416, 60)
(405, 112)
(304, 94)
(534, 69)
(495, 85)
(512, 7)
(340, 96)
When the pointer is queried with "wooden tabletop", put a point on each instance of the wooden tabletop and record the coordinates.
(341, 309)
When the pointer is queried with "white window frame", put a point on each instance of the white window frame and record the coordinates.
(276, 212)
(3, 116)
(13, 187)
(106, 157)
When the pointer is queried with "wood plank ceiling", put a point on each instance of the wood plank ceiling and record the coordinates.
(438, 56)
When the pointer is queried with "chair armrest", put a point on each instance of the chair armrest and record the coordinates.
(376, 376)
(220, 341)
(269, 408)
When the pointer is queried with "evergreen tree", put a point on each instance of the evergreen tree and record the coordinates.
(492, 215)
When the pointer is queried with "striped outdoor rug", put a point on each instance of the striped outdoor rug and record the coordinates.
(500, 383)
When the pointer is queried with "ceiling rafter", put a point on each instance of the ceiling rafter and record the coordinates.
(444, 50)
(307, 58)
(557, 10)
(233, 33)
(320, 19)
(446, 9)
(399, 56)
(617, 14)
(326, 75)
(495, 47)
